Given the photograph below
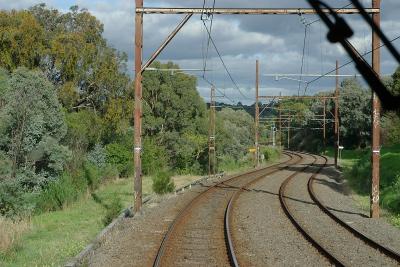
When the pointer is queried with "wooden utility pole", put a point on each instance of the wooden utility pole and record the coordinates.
(257, 117)
(138, 107)
(280, 123)
(336, 146)
(288, 133)
(376, 114)
(212, 157)
(324, 134)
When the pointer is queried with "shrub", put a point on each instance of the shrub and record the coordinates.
(121, 157)
(271, 153)
(92, 176)
(162, 183)
(15, 201)
(59, 193)
(113, 210)
(154, 157)
(98, 156)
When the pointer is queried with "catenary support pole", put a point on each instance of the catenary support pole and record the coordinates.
(211, 136)
(280, 123)
(336, 146)
(138, 107)
(288, 133)
(257, 116)
(324, 131)
(376, 114)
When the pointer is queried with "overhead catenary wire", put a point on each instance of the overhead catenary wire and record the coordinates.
(224, 65)
(307, 24)
(351, 61)
(211, 16)
(218, 90)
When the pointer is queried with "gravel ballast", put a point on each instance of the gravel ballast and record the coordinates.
(265, 236)
(261, 231)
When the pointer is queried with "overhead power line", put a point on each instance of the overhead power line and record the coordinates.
(223, 63)
(351, 61)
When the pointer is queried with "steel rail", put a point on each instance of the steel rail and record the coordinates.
(229, 208)
(174, 225)
(291, 217)
(387, 251)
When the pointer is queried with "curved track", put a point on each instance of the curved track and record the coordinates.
(308, 234)
(182, 219)
(221, 197)
(228, 214)
(310, 185)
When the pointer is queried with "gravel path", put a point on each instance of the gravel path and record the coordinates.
(333, 237)
(265, 236)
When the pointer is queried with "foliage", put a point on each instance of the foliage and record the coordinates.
(32, 125)
(121, 157)
(360, 177)
(174, 116)
(15, 199)
(97, 156)
(271, 153)
(234, 133)
(391, 128)
(84, 130)
(154, 157)
(162, 183)
(113, 210)
(22, 40)
(355, 114)
(59, 193)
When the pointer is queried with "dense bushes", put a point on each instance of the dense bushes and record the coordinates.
(120, 156)
(360, 177)
(271, 153)
(162, 183)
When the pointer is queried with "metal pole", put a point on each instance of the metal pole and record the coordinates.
(280, 123)
(247, 11)
(257, 117)
(288, 133)
(336, 146)
(324, 124)
(211, 136)
(376, 110)
(166, 42)
(138, 107)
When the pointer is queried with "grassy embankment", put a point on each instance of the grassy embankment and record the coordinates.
(357, 170)
(51, 238)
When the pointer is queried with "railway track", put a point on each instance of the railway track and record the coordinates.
(309, 234)
(235, 259)
(228, 215)
(185, 232)
(387, 251)
(181, 231)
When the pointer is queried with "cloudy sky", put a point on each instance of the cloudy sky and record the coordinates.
(277, 41)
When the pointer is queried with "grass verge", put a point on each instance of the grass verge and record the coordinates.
(51, 238)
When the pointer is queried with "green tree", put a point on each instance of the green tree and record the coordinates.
(355, 113)
(235, 133)
(22, 40)
(175, 117)
(32, 124)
